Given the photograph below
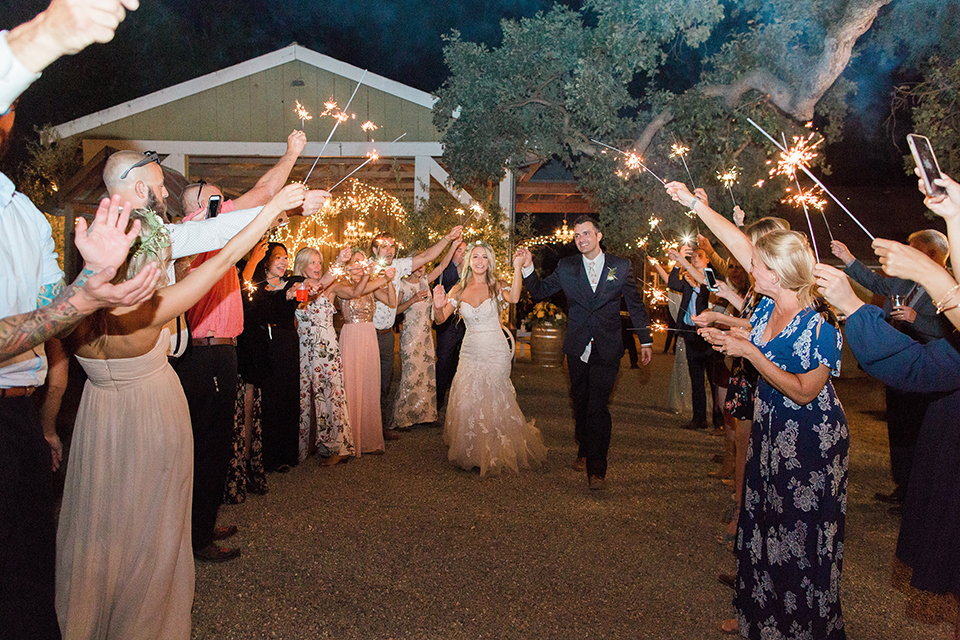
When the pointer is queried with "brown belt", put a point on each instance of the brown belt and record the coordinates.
(208, 342)
(16, 392)
(382, 331)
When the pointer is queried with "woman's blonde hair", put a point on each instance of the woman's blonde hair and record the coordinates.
(788, 254)
(302, 259)
(467, 277)
(764, 226)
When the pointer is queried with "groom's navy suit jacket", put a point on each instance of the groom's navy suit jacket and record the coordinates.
(592, 314)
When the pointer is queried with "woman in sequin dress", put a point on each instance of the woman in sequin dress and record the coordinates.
(361, 358)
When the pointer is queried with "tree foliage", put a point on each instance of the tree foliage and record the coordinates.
(644, 75)
(934, 106)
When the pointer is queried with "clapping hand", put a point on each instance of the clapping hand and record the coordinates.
(105, 244)
(732, 343)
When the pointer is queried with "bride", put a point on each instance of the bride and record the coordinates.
(484, 425)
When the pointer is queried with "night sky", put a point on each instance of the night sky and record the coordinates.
(170, 41)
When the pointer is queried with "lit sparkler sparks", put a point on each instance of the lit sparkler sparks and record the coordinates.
(729, 178)
(807, 171)
(655, 224)
(371, 156)
(800, 154)
(302, 113)
(633, 161)
(368, 126)
(678, 150)
(250, 287)
(335, 125)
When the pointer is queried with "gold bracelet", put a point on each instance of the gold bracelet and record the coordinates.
(941, 306)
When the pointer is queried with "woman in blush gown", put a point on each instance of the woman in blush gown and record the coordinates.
(484, 426)
(124, 557)
(361, 357)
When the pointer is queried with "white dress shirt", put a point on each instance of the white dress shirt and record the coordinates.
(384, 316)
(200, 236)
(28, 262)
(597, 264)
(14, 77)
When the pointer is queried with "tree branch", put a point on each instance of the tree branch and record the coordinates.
(798, 97)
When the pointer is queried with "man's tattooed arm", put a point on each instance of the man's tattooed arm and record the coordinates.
(27, 330)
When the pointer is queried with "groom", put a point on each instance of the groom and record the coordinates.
(594, 284)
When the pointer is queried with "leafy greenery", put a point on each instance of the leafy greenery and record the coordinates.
(643, 76)
(934, 105)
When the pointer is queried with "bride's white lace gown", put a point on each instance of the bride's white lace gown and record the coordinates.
(484, 425)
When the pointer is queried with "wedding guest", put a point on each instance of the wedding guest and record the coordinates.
(124, 557)
(274, 302)
(323, 403)
(361, 356)
(416, 401)
(909, 309)
(797, 458)
(384, 249)
(929, 538)
(450, 332)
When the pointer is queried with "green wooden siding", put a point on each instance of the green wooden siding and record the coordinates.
(260, 108)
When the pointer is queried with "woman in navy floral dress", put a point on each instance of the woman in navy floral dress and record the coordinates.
(790, 533)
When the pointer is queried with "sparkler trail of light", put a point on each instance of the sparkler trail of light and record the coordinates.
(302, 113)
(815, 179)
(677, 149)
(806, 212)
(373, 155)
(633, 160)
(335, 125)
(368, 126)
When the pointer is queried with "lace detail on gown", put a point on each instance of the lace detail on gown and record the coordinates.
(484, 425)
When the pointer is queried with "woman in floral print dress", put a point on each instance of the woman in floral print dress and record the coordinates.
(791, 526)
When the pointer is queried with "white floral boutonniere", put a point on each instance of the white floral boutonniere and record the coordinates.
(612, 274)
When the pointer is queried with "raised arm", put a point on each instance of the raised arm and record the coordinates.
(656, 265)
(902, 261)
(947, 207)
(103, 246)
(539, 289)
(680, 259)
(174, 300)
(442, 303)
(727, 232)
(273, 180)
(438, 270)
(434, 252)
(513, 295)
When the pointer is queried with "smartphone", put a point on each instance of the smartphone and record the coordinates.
(923, 155)
(214, 206)
(711, 279)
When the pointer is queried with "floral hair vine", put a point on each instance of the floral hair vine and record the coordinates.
(157, 237)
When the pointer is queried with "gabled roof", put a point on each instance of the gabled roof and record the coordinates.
(293, 52)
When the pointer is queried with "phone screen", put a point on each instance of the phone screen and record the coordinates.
(711, 279)
(213, 206)
(924, 157)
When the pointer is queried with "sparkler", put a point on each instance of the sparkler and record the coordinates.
(302, 113)
(811, 198)
(729, 178)
(373, 155)
(655, 224)
(335, 125)
(814, 178)
(368, 126)
(633, 161)
(789, 161)
(678, 150)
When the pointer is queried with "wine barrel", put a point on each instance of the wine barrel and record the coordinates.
(546, 345)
